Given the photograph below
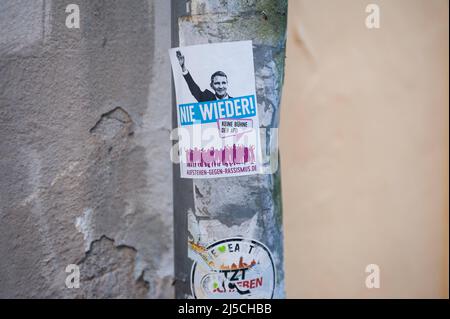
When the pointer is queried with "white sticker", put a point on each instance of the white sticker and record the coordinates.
(216, 109)
(232, 268)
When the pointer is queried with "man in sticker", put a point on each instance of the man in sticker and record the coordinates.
(219, 83)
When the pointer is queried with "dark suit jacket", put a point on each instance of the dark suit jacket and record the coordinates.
(200, 96)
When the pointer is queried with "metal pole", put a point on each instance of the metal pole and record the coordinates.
(247, 206)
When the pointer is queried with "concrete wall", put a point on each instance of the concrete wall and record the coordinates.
(84, 170)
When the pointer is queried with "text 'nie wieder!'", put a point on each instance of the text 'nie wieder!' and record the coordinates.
(211, 111)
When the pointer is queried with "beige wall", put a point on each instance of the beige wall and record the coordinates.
(364, 144)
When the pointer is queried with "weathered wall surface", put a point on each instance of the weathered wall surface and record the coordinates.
(84, 169)
(364, 144)
(247, 206)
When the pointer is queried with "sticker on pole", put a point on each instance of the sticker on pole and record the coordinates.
(232, 268)
(216, 109)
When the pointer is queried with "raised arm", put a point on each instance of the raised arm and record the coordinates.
(193, 87)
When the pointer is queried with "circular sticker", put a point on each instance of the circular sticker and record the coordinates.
(234, 268)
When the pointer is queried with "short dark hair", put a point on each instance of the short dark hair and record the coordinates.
(218, 73)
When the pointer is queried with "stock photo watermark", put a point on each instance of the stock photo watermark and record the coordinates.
(73, 17)
(373, 279)
(373, 18)
(73, 279)
(210, 156)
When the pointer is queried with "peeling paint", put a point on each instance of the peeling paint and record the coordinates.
(107, 270)
(82, 155)
(84, 225)
(111, 123)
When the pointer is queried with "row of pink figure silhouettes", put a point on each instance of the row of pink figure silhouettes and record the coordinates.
(236, 154)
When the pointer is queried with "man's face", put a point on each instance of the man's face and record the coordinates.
(219, 84)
